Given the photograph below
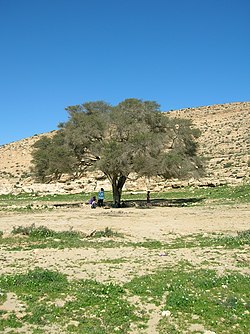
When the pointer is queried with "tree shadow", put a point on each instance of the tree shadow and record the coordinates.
(158, 202)
(155, 202)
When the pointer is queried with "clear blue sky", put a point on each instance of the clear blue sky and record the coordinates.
(57, 53)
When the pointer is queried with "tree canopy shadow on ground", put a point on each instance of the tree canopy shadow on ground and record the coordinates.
(175, 202)
(156, 202)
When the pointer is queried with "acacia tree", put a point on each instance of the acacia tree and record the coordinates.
(51, 158)
(133, 136)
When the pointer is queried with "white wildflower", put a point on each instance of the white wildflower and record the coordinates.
(166, 313)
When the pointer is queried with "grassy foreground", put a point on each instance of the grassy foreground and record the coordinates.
(174, 297)
(220, 304)
(187, 299)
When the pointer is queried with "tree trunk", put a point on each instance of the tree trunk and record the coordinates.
(117, 185)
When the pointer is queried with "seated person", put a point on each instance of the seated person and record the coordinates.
(93, 202)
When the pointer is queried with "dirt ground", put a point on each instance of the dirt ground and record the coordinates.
(136, 224)
(121, 264)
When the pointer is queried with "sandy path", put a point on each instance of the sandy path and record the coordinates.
(153, 223)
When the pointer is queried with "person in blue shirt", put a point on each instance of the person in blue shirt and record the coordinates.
(100, 197)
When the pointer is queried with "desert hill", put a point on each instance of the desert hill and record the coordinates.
(225, 139)
(224, 142)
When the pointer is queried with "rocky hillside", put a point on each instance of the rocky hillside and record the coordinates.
(224, 143)
(225, 139)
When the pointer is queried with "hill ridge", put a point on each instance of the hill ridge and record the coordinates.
(224, 142)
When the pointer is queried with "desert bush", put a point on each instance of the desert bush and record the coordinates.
(41, 232)
(227, 164)
(37, 280)
(244, 234)
(107, 233)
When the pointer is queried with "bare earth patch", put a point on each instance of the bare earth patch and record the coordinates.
(153, 223)
(121, 264)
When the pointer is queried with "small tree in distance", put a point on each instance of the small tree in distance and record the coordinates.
(133, 136)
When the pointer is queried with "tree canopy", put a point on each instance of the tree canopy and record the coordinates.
(132, 136)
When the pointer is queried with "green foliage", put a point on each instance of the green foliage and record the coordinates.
(227, 164)
(226, 193)
(10, 322)
(42, 232)
(199, 240)
(46, 238)
(107, 233)
(244, 234)
(89, 303)
(108, 303)
(37, 281)
(242, 238)
(51, 157)
(174, 197)
(199, 293)
(43, 237)
(133, 136)
(218, 302)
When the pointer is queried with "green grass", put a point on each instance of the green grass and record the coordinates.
(42, 232)
(32, 237)
(106, 233)
(88, 306)
(241, 239)
(212, 240)
(200, 293)
(221, 193)
(38, 282)
(219, 303)
(176, 197)
(43, 237)
(26, 197)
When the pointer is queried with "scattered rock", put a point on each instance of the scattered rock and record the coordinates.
(196, 328)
